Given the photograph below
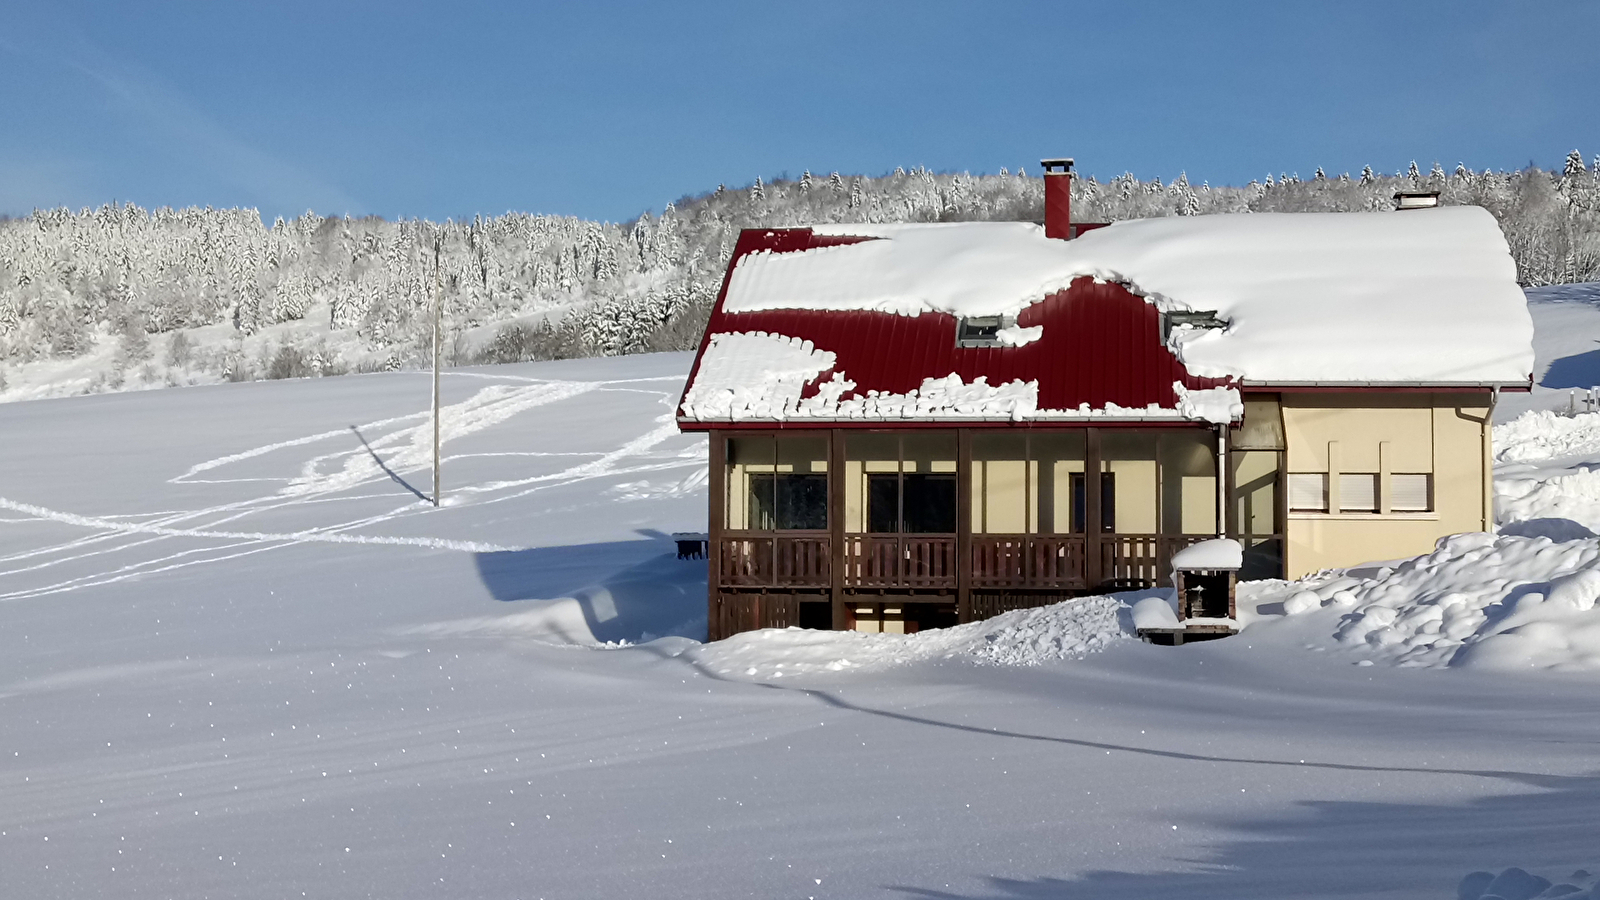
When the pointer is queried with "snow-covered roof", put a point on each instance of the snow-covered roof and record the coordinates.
(745, 376)
(1422, 297)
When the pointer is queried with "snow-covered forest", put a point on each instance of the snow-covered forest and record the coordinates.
(121, 297)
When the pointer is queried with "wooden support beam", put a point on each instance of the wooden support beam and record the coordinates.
(1093, 531)
(718, 489)
(842, 616)
(964, 525)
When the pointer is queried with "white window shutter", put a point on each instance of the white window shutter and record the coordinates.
(1308, 491)
(1358, 492)
(1410, 492)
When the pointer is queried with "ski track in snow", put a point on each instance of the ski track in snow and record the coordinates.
(402, 443)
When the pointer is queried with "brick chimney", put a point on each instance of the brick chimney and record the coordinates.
(1057, 198)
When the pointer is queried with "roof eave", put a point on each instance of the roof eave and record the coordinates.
(692, 425)
(1254, 385)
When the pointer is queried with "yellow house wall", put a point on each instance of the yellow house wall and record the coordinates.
(1443, 434)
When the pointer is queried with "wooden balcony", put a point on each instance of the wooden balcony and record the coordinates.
(1141, 559)
(775, 559)
(917, 561)
(1050, 562)
(1028, 561)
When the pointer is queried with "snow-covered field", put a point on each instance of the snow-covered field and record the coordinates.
(240, 657)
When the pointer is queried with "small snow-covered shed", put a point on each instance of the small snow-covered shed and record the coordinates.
(902, 415)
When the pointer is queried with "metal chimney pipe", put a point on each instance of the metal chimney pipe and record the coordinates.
(1416, 199)
(1057, 198)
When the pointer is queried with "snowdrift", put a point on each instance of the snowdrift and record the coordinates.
(1026, 637)
(1479, 600)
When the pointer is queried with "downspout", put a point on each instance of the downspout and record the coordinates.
(1222, 481)
(1488, 460)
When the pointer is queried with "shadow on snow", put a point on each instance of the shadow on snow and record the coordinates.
(1359, 849)
(1581, 370)
(627, 590)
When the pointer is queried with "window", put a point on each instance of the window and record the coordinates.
(911, 504)
(1108, 502)
(900, 483)
(1308, 491)
(979, 331)
(788, 502)
(1410, 492)
(1358, 492)
(1189, 318)
(776, 483)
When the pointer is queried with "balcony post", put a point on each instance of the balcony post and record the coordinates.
(964, 525)
(1093, 532)
(836, 548)
(714, 524)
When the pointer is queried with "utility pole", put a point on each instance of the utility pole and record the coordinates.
(438, 304)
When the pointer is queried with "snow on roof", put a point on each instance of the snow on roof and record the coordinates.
(747, 376)
(1219, 553)
(1424, 297)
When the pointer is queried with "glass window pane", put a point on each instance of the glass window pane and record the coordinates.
(1131, 457)
(1263, 558)
(929, 451)
(802, 501)
(930, 504)
(871, 445)
(1188, 482)
(802, 454)
(1108, 502)
(761, 511)
(883, 504)
(749, 502)
(1056, 455)
(866, 452)
(1255, 491)
(1262, 427)
(1000, 491)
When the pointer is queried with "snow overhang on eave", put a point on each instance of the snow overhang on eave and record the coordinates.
(1260, 386)
(685, 424)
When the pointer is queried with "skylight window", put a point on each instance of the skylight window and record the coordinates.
(1189, 318)
(979, 331)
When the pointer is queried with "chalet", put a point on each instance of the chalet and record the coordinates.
(915, 425)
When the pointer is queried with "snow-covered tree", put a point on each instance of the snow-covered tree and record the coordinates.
(356, 293)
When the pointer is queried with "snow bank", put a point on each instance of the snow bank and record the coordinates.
(1541, 435)
(1479, 600)
(1027, 637)
(1427, 296)
(1547, 475)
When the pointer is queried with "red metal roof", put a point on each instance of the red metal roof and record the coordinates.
(1101, 343)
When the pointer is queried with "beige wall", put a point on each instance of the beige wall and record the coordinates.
(1441, 434)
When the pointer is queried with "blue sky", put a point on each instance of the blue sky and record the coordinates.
(603, 110)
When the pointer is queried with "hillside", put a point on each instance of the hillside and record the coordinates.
(121, 298)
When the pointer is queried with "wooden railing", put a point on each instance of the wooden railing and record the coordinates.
(922, 561)
(900, 560)
(786, 559)
(1129, 559)
(1027, 561)
(1058, 561)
